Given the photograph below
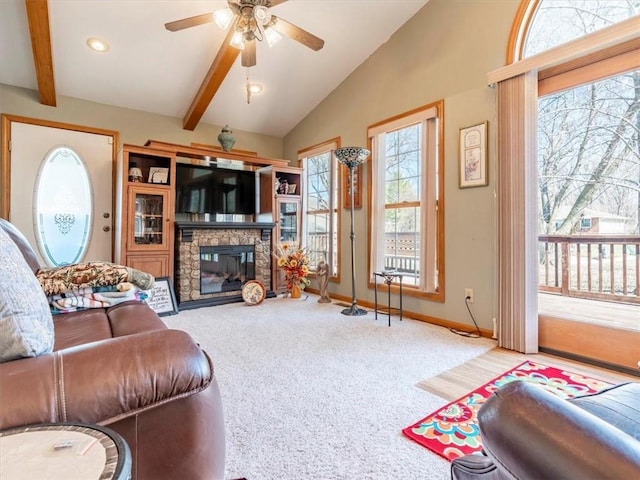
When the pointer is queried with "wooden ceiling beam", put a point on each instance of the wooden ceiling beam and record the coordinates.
(38, 17)
(211, 83)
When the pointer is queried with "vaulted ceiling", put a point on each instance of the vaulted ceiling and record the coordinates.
(190, 74)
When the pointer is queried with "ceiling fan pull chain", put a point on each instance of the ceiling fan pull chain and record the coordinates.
(248, 87)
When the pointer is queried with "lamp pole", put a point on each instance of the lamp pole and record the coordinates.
(352, 157)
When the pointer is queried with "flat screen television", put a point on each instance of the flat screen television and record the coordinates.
(213, 190)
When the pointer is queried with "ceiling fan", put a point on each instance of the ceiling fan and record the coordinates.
(251, 21)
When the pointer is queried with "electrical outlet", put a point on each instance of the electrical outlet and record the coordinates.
(468, 293)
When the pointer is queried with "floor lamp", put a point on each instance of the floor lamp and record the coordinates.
(351, 157)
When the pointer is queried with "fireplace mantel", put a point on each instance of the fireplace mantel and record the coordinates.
(187, 228)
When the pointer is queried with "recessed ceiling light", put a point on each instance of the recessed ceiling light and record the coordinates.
(255, 88)
(98, 45)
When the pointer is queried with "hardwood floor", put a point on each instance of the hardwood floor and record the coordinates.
(461, 380)
(603, 331)
(595, 312)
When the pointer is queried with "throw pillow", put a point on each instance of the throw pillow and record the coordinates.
(58, 280)
(26, 325)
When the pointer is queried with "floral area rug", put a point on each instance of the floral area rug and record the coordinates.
(452, 431)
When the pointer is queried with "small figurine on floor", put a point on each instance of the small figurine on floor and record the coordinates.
(323, 282)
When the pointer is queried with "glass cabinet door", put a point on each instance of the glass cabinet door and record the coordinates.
(149, 217)
(289, 221)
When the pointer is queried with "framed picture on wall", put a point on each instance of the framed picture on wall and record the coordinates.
(473, 156)
(357, 177)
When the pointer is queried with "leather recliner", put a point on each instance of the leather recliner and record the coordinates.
(528, 433)
(123, 368)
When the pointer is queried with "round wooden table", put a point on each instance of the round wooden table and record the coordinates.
(65, 451)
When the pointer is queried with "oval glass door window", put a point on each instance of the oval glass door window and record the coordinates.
(63, 206)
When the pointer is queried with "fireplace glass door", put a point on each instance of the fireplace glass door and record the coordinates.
(226, 268)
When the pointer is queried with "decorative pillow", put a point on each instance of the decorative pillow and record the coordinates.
(26, 326)
(58, 280)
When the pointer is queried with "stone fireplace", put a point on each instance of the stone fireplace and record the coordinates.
(213, 260)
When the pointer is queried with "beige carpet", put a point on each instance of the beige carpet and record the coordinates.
(309, 393)
(474, 373)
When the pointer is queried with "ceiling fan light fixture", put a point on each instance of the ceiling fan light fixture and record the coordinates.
(272, 36)
(237, 41)
(223, 17)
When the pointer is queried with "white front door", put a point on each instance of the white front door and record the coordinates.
(30, 145)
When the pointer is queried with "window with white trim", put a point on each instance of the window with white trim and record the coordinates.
(321, 217)
(407, 220)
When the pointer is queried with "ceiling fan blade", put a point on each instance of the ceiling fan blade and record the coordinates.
(249, 54)
(189, 22)
(298, 34)
(273, 3)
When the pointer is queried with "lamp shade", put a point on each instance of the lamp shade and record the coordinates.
(237, 41)
(223, 17)
(351, 156)
(272, 36)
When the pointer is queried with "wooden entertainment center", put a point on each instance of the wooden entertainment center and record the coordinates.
(149, 237)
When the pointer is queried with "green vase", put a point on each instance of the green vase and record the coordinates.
(226, 139)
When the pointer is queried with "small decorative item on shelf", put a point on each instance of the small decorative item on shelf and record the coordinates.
(295, 263)
(135, 174)
(158, 175)
(226, 139)
(292, 188)
(284, 187)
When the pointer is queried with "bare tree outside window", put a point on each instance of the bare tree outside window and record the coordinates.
(588, 161)
(321, 216)
(403, 179)
(589, 155)
(559, 21)
(588, 136)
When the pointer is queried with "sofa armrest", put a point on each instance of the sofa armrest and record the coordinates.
(531, 434)
(104, 381)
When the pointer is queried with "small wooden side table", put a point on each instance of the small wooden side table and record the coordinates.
(388, 277)
(65, 451)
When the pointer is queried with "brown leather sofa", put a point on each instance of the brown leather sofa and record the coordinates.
(123, 368)
(529, 433)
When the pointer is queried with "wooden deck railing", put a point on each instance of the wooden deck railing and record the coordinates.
(601, 267)
(401, 253)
